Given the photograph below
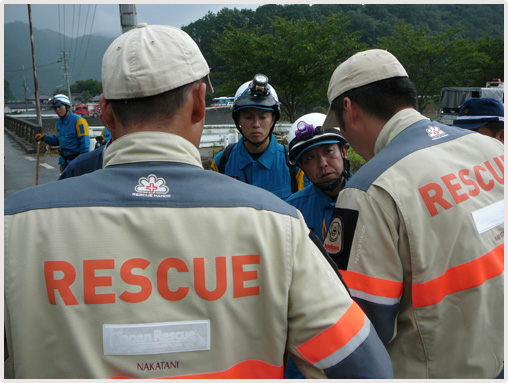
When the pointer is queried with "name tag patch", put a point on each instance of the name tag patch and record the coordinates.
(489, 217)
(156, 338)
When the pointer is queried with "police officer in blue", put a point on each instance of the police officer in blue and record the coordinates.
(322, 155)
(257, 158)
(71, 132)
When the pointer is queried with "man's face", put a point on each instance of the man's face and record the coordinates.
(61, 110)
(323, 162)
(255, 123)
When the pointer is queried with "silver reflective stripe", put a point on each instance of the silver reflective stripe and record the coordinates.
(346, 350)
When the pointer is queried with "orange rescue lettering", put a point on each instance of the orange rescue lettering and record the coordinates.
(91, 281)
(463, 185)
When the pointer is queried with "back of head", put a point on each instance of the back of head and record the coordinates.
(149, 61)
(477, 112)
(374, 79)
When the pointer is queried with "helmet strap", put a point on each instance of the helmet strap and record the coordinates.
(329, 186)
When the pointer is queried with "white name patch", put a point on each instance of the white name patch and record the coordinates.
(156, 338)
(489, 217)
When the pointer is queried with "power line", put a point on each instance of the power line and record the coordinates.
(89, 38)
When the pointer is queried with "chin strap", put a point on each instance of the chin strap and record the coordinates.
(257, 144)
(330, 185)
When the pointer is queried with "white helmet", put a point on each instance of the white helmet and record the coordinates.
(306, 132)
(58, 100)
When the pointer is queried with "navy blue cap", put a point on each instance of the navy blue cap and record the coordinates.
(477, 112)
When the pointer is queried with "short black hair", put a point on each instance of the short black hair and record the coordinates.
(381, 99)
(163, 105)
(495, 127)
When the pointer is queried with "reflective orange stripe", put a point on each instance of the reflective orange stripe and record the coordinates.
(459, 278)
(332, 339)
(249, 369)
(371, 285)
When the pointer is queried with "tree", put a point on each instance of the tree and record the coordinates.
(298, 57)
(8, 95)
(494, 48)
(434, 61)
(90, 86)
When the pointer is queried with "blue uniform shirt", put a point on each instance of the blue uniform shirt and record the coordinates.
(270, 171)
(316, 207)
(72, 136)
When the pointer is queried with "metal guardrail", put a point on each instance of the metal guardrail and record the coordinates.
(213, 135)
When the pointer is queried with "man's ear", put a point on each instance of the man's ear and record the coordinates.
(199, 103)
(350, 111)
(107, 114)
(500, 135)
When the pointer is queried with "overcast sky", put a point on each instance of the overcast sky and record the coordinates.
(105, 18)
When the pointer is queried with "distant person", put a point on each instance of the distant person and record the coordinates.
(418, 232)
(91, 161)
(202, 276)
(322, 156)
(71, 132)
(482, 115)
(257, 158)
(103, 138)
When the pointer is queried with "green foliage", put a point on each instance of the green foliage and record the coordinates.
(8, 95)
(88, 88)
(435, 60)
(355, 159)
(494, 49)
(298, 57)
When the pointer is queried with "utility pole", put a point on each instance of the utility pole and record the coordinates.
(24, 87)
(36, 85)
(128, 17)
(67, 75)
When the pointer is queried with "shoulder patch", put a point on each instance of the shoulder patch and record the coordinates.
(340, 236)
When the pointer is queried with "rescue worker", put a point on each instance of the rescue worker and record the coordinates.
(257, 158)
(71, 132)
(91, 161)
(418, 232)
(103, 138)
(171, 295)
(322, 156)
(483, 115)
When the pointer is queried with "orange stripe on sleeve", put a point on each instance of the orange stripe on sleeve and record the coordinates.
(371, 285)
(332, 339)
(459, 278)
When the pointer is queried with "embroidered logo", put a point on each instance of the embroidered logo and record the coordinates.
(151, 186)
(334, 240)
(435, 132)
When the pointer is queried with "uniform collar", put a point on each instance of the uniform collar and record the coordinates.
(266, 159)
(399, 122)
(151, 146)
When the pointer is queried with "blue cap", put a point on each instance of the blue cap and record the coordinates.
(477, 112)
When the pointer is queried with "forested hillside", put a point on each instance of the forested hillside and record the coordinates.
(298, 46)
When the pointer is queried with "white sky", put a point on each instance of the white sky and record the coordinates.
(76, 19)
